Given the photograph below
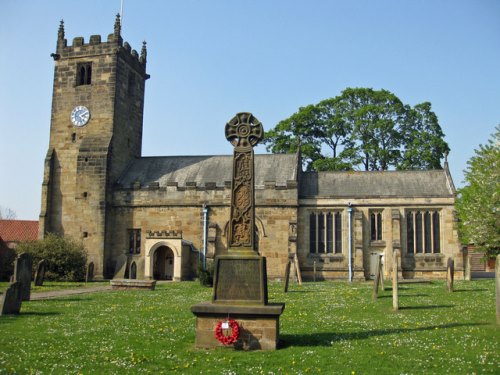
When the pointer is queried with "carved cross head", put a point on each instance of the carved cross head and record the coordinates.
(244, 131)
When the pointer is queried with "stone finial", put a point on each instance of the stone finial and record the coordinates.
(144, 53)
(60, 32)
(118, 25)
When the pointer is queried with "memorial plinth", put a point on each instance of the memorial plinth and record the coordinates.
(240, 278)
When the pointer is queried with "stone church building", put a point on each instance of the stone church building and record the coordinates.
(159, 217)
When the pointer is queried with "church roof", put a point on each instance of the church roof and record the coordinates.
(432, 183)
(18, 230)
(276, 168)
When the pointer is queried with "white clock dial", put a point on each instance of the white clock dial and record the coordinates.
(80, 115)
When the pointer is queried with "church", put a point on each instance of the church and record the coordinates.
(161, 217)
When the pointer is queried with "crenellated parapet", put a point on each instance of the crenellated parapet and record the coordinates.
(96, 47)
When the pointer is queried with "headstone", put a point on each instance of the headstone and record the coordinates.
(23, 267)
(89, 275)
(40, 272)
(497, 277)
(11, 299)
(121, 267)
(395, 297)
(381, 272)
(467, 265)
(287, 275)
(376, 281)
(450, 272)
(297, 268)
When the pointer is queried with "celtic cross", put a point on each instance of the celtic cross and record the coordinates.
(244, 131)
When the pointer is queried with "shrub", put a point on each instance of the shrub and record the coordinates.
(206, 276)
(66, 258)
(7, 257)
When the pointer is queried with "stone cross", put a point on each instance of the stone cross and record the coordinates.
(244, 131)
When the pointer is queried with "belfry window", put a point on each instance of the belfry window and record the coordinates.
(423, 230)
(84, 74)
(134, 241)
(325, 232)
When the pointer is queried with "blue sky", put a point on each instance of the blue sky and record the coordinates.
(211, 59)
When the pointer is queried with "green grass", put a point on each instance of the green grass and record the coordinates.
(327, 328)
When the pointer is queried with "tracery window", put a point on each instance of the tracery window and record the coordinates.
(325, 232)
(423, 232)
(376, 226)
(134, 241)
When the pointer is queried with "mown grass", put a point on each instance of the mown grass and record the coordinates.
(327, 328)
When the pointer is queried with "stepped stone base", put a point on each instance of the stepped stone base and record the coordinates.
(259, 325)
(121, 284)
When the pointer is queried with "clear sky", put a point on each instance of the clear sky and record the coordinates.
(211, 59)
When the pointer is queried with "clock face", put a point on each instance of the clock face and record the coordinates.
(80, 115)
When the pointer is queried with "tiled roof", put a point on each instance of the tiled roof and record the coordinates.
(18, 230)
(278, 168)
(433, 183)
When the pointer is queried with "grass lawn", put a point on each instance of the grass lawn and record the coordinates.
(327, 328)
(50, 286)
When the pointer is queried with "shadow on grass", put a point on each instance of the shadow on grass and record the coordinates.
(329, 338)
(469, 290)
(61, 299)
(404, 295)
(426, 307)
(30, 313)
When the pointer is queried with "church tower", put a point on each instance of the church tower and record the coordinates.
(95, 132)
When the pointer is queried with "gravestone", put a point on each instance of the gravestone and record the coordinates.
(497, 283)
(381, 272)
(395, 296)
(89, 275)
(23, 266)
(240, 280)
(40, 272)
(287, 275)
(376, 281)
(11, 299)
(450, 272)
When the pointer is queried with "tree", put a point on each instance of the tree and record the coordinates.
(7, 214)
(478, 203)
(65, 257)
(362, 128)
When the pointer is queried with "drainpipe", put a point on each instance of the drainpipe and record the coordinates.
(349, 211)
(205, 214)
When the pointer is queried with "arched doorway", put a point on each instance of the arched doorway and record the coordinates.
(163, 263)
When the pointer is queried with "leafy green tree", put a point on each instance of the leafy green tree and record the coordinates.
(65, 257)
(361, 128)
(478, 203)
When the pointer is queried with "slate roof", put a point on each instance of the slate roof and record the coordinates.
(433, 183)
(18, 230)
(277, 168)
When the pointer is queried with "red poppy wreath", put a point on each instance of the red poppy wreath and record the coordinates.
(235, 331)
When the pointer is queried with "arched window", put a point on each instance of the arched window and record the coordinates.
(84, 74)
(133, 271)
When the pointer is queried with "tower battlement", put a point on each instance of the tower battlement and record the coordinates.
(97, 47)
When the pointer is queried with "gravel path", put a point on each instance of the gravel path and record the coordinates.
(68, 292)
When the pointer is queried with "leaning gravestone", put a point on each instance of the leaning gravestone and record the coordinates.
(11, 299)
(395, 296)
(23, 267)
(450, 271)
(89, 275)
(239, 302)
(40, 272)
(377, 281)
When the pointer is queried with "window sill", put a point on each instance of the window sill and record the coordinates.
(377, 243)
